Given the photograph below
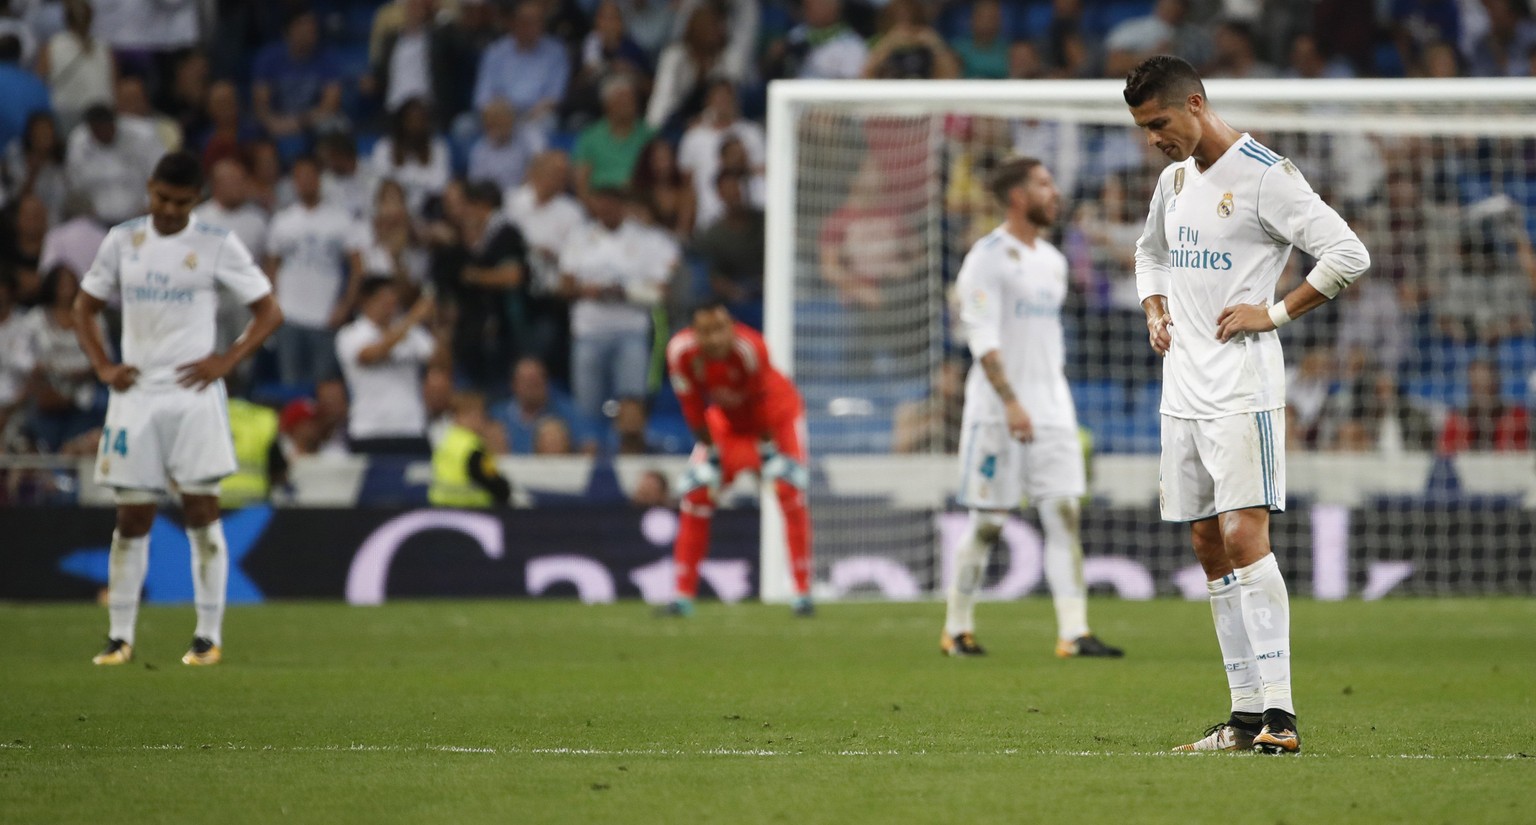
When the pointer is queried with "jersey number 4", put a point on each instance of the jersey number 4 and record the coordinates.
(114, 441)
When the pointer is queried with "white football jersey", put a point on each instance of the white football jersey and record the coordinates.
(1218, 238)
(169, 288)
(1010, 301)
(312, 245)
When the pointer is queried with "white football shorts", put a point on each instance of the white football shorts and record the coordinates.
(1211, 466)
(998, 471)
(153, 437)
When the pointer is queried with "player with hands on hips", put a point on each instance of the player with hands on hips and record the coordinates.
(167, 426)
(1224, 216)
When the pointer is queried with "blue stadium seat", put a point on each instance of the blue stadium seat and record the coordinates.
(1032, 21)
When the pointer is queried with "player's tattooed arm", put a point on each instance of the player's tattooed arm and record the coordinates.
(1019, 425)
(992, 365)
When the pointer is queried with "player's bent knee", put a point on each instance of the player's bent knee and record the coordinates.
(200, 510)
(989, 525)
(135, 520)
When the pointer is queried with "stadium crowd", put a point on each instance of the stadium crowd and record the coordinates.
(521, 199)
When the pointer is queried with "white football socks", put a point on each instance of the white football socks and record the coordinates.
(1267, 619)
(127, 563)
(970, 569)
(210, 578)
(1064, 566)
(1236, 653)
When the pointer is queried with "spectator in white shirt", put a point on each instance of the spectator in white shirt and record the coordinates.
(390, 246)
(685, 66)
(502, 153)
(742, 19)
(15, 361)
(133, 107)
(546, 215)
(34, 163)
(413, 155)
(824, 47)
(316, 274)
(74, 242)
(699, 153)
(345, 180)
(615, 272)
(382, 356)
(109, 160)
(147, 25)
(63, 384)
(231, 208)
(78, 67)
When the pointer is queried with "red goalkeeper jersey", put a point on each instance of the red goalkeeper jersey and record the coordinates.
(744, 386)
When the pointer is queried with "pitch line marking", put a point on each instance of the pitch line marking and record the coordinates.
(358, 747)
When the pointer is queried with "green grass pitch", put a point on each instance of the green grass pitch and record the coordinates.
(1411, 711)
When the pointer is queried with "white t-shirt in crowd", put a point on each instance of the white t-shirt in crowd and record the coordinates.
(15, 356)
(151, 25)
(1010, 302)
(699, 155)
(312, 244)
(419, 180)
(113, 176)
(546, 227)
(633, 256)
(353, 192)
(248, 221)
(169, 289)
(386, 395)
(410, 70)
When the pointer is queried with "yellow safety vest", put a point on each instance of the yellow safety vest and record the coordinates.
(451, 484)
(254, 429)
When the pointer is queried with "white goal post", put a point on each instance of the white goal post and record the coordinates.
(1435, 174)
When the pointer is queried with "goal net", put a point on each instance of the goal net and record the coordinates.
(1407, 433)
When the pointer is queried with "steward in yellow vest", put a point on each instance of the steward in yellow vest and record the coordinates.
(463, 470)
(254, 430)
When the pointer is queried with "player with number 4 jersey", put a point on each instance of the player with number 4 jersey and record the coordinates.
(746, 416)
(167, 427)
(1019, 428)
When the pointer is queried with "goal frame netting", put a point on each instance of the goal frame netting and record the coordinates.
(1511, 104)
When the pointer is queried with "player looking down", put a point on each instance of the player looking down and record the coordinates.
(745, 415)
(1018, 432)
(167, 427)
(1221, 225)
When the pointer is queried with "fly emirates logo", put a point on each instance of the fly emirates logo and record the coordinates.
(1189, 255)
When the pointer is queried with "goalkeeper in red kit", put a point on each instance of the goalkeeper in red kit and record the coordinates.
(745, 415)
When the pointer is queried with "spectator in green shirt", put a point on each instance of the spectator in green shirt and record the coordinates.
(984, 54)
(607, 150)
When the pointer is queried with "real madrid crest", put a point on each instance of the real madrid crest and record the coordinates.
(191, 261)
(1013, 254)
(138, 239)
(1224, 209)
(1178, 181)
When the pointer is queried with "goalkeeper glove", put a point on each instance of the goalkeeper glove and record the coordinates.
(776, 465)
(704, 473)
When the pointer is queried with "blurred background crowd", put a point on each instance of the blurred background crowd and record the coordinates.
(539, 189)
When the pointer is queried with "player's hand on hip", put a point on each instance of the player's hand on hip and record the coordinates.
(199, 374)
(1235, 320)
(1019, 425)
(118, 376)
(1160, 333)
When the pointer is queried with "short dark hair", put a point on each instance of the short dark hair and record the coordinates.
(341, 142)
(371, 286)
(1167, 78)
(483, 192)
(179, 169)
(1008, 174)
(709, 304)
(304, 158)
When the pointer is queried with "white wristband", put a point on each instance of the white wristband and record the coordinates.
(1278, 314)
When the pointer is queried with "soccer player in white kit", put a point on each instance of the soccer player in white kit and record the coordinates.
(167, 426)
(1222, 222)
(1019, 429)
